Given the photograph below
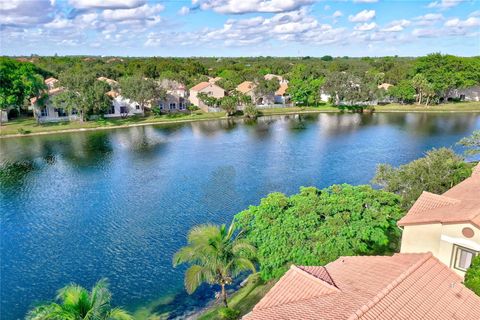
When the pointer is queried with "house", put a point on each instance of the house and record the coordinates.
(402, 286)
(280, 79)
(385, 86)
(121, 106)
(247, 88)
(281, 95)
(214, 80)
(44, 111)
(176, 97)
(467, 94)
(447, 225)
(208, 88)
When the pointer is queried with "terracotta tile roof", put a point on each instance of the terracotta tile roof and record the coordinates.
(282, 90)
(460, 204)
(214, 80)
(245, 86)
(200, 86)
(107, 80)
(272, 76)
(112, 94)
(51, 80)
(404, 286)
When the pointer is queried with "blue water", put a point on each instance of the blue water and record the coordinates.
(118, 203)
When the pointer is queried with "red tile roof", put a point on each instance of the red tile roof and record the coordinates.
(200, 86)
(404, 286)
(245, 86)
(460, 204)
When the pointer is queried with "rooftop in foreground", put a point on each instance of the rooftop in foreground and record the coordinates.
(404, 286)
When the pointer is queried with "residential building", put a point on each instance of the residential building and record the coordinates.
(447, 225)
(176, 98)
(280, 79)
(44, 111)
(214, 80)
(247, 88)
(208, 88)
(281, 95)
(466, 94)
(402, 286)
(122, 107)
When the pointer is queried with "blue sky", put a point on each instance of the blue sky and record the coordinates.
(239, 27)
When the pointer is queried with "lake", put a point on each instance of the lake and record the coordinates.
(118, 203)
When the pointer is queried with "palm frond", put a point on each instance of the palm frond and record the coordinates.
(203, 234)
(185, 254)
(241, 245)
(195, 276)
(119, 314)
(52, 311)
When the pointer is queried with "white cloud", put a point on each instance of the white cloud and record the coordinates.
(365, 1)
(106, 4)
(396, 26)
(425, 33)
(25, 13)
(337, 14)
(475, 14)
(444, 4)
(144, 12)
(59, 23)
(184, 11)
(468, 23)
(365, 26)
(362, 16)
(428, 19)
(248, 6)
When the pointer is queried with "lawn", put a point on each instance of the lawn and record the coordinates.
(244, 299)
(30, 126)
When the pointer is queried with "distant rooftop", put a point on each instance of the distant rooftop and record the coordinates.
(403, 286)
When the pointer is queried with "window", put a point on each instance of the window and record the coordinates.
(124, 110)
(173, 105)
(44, 112)
(161, 106)
(463, 257)
(111, 110)
(137, 107)
(61, 112)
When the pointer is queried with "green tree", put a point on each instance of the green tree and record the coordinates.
(315, 226)
(265, 89)
(19, 81)
(216, 255)
(76, 303)
(251, 111)
(437, 172)
(472, 276)
(229, 104)
(83, 93)
(472, 143)
(144, 91)
(403, 91)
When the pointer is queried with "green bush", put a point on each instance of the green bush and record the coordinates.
(228, 313)
(251, 111)
(315, 227)
(23, 131)
(472, 277)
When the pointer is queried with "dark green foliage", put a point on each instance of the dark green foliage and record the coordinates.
(84, 93)
(142, 90)
(437, 172)
(315, 226)
(472, 276)
(19, 81)
(404, 91)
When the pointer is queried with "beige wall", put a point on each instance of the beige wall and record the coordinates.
(212, 90)
(440, 240)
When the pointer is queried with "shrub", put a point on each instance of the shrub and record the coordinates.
(472, 277)
(228, 313)
(251, 111)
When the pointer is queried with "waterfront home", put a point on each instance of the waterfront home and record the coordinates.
(247, 88)
(402, 286)
(208, 88)
(281, 95)
(466, 94)
(122, 107)
(176, 96)
(42, 107)
(447, 225)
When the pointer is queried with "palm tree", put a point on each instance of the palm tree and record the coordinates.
(76, 303)
(216, 256)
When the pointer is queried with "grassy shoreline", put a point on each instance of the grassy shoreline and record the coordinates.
(28, 126)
